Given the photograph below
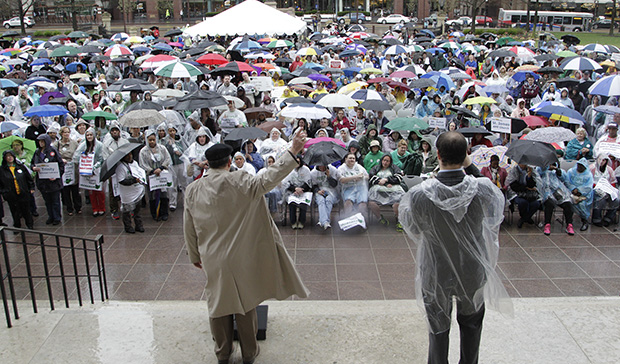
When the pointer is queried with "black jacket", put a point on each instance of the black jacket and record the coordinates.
(49, 154)
(7, 181)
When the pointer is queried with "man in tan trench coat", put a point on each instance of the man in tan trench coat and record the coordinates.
(230, 234)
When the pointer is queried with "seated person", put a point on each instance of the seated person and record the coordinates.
(297, 183)
(579, 147)
(374, 155)
(495, 173)
(523, 183)
(274, 196)
(385, 189)
(353, 179)
(581, 184)
(554, 192)
(400, 154)
(324, 186)
(429, 156)
(252, 156)
(240, 164)
(605, 198)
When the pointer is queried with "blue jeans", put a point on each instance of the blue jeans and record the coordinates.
(52, 203)
(325, 205)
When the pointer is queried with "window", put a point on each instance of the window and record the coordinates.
(577, 21)
(568, 20)
(557, 20)
(515, 19)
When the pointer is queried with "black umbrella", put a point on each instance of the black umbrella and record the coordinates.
(501, 53)
(566, 82)
(143, 105)
(584, 86)
(245, 133)
(318, 36)
(377, 105)
(297, 100)
(457, 63)
(532, 153)
(109, 165)
(45, 73)
(390, 41)
(550, 70)
(470, 132)
(423, 39)
(87, 83)
(9, 33)
(464, 111)
(60, 100)
(570, 39)
(131, 84)
(100, 58)
(282, 60)
(323, 154)
(331, 70)
(303, 72)
(56, 38)
(422, 83)
(120, 59)
(191, 52)
(200, 99)
(173, 32)
(488, 36)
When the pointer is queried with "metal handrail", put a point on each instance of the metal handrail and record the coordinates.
(76, 245)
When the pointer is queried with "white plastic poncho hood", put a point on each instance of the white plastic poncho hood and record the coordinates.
(457, 237)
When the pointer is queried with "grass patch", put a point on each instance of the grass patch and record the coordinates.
(587, 38)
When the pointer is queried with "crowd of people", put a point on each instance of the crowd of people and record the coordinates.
(463, 82)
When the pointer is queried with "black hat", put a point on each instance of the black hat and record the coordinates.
(218, 151)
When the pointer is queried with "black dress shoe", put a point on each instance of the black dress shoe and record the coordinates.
(56, 222)
(222, 361)
(130, 230)
(49, 221)
(520, 224)
(140, 229)
(34, 213)
(584, 226)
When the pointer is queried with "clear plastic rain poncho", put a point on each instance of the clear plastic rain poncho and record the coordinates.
(456, 230)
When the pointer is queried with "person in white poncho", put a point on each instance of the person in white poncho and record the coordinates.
(196, 152)
(273, 145)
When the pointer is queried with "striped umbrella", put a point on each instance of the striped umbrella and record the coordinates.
(561, 113)
(360, 35)
(481, 157)
(523, 53)
(177, 70)
(357, 47)
(280, 43)
(606, 86)
(451, 45)
(120, 37)
(117, 50)
(415, 48)
(580, 63)
(395, 49)
(157, 61)
(163, 47)
(595, 47)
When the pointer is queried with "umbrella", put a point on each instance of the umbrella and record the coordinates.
(595, 47)
(494, 89)
(168, 92)
(377, 105)
(337, 100)
(29, 145)
(9, 33)
(371, 70)
(131, 84)
(606, 86)
(79, 76)
(470, 132)
(405, 123)
(279, 43)
(72, 67)
(141, 118)
(550, 70)
(46, 110)
(551, 135)
(608, 109)
(501, 53)
(532, 152)
(158, 60)
(464, 111)
(173, 32)
(200, 99)
(481, 157)
(366, 94)
(9, 125)
(45, 98)
(64, 51)
(212, 58)
(119, 37)
(422, 83)
(319, 77)
(403, 74)
(245, 133)
(323, 153)
(479, 100)
(545, 57)
(100, 58)
(297, 100)
(566, 54)
(324, 139)
(305, 111)
(109, 164)
(268, 125)
(233, 67)
(566, 82)
(252, 112)
(99, 114)
(89, 49)
(143, 105)
(177, 70)
(580, 63)
(6, 83)
(299, 81)
(561, 113)
(570, 39)
(309, 52)
(533, 120)
(395, 49)
(78, 34)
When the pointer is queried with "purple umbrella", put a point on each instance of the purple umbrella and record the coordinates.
(319, 77)
(45, 98)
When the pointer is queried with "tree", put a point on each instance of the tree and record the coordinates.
(76, 7)
(126, 7)
(475, 6)
(613, 18)
(23, 6)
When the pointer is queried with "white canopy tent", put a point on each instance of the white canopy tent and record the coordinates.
(249, 17)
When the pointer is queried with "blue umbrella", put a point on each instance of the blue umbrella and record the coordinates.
(314, 66)
(440, 78)
(247, 45)
(46, 110)
(351, 71)
(35, 79)
(141, 50)
(349, 53)
(163, 47)
(522, 75)
(366, 94)
(72, 67)
(562, 113)
(428, 32)
(608, 109)
(41, 61)
(6, 83)
(606, 86)
(435, 50)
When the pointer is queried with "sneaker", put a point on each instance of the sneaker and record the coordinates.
(547, 230)
(320, 224)
(300, 225)
(116, 215)
(294, 226)
(173, 208)
(326, 226)
(399, 227)
(570, 230)
(383, 221)
(584, 226)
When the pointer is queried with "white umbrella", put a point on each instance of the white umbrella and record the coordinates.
(337, 100)
(238, 103)
(553, 134)
(173, 117)
(580, 63)
(306, 111)
(299, 80)
(168, 92)
(141, 118)
(44, 84)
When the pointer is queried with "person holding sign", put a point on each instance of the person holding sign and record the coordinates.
(49, 187)
(66, 146)
(89, 157)
(155, 160)
(298, 184)
(16, 185)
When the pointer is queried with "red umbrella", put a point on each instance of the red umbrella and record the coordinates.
(212, 58)
(534, 120)
(379, 80)
(234, 66)
(394, 84)
(324, 139)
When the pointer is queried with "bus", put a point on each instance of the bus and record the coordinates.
(549, 20)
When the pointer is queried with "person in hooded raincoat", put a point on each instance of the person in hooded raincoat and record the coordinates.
(554, 192)
(423, 109)
(605, 192)
(581, 184)
(49, 187)
(241, 251)
(272, 145)
(16, 186)
(458, 246)
(196, 152)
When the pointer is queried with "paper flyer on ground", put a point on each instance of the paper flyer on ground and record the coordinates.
(353, 221)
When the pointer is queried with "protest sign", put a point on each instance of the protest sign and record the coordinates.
(91, 182)
(163, 181)
(49, 170)
(501, 125)
(262, 83)
(87, 163)
(434, 122)
(68, 178)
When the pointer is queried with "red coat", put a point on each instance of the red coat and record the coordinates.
(486, 171)
(345, 123)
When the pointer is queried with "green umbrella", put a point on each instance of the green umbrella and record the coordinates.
(94, 114)
(566, 54)
(29, 147)
(504, 40)
(410, 123)
(78, 34)
(64, 51)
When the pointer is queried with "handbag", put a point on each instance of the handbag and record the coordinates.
(529, 195)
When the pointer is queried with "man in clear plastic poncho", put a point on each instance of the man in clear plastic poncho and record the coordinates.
(454, 219)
